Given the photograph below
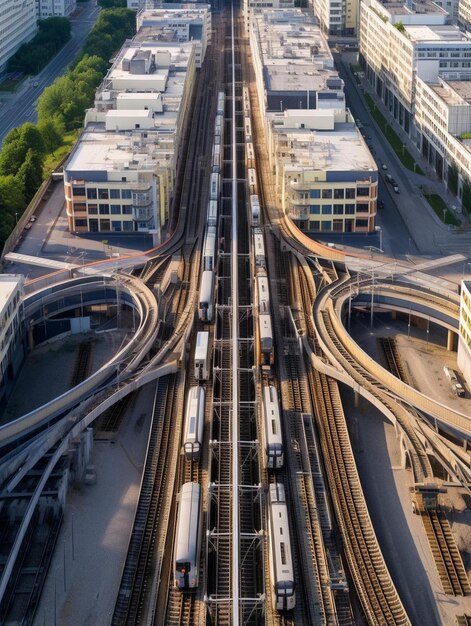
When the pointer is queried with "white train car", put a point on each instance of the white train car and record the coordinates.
(218, 126)
(263, 290)
(188, 537)
(194, 423)
(245, 100)
(221, 101)
(266, 333)
(274, 452)
(255, 209)
(281, 562)
(214, 187)
(212, 216)
(202, 356)
(247, 129)
(259, 247)
(252, 181)
(209, 249)
(205, 303)
(216, 159)
(249, 155)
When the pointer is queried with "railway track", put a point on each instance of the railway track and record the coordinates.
(463, 620)
(445, 552)
(393, 360)
(142, 553)
(82, 364)
(378, 596)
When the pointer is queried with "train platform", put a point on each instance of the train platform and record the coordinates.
(401, 533)
(83, 580)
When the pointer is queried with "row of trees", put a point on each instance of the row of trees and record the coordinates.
(61, 109)
(68, 97)
(31, 57)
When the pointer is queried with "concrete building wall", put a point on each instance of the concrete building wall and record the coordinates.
(18, 23)
(464, 342)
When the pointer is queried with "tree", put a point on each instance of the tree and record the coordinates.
(112, 4)
(30, 174)
(11, 196)
(52, 131)
(31, 135)
(14, 152)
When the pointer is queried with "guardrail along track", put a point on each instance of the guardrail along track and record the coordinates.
(378, 596)
(463, 620)
(445, 552)
(140, 559)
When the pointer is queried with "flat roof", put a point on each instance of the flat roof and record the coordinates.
(453, 92)
(294, 51)
(416, 8)
(341, 149)
(442, 33)
(97, 151)
(8, 284)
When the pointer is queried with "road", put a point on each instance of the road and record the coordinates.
(21, 107)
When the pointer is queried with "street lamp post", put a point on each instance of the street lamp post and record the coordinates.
(379, 230)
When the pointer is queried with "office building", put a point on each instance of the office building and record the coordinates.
(464, 338)
(121, 174)
(55, 8)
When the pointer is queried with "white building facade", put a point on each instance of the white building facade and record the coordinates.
(464, 337)
(337, 17)
(18, 23)
(121, 174)
(55, 8)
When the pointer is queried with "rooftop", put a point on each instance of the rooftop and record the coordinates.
(453, 92)
(340, 149)
(440, 33)
(412, 8)
(8, 284)
(173, 12)
(295, 55)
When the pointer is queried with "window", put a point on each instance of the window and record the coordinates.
(92, 194)
(315, 193)
(350, 193)
(349, 209)
(80, 223)
(115, 209)
(127, 209)
(327, 209)
(338, 209)
(363, 191)
(339, 194)
(93, 209)
(114, 193)
(103, 194)
(128, 226)
(362, 207)
(78, 191)
(314, 209)
(283, 553)
(126, 194)
(116, 225)
(327, 193)
(80, 206)
(327, 225)
(315, 225)
(338, 226)
(361, 223)
(104, 209)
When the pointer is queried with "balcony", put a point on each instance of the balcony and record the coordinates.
(142, 214)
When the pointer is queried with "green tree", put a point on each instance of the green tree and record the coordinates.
(11, 196)
(31, 135)
(18, 143)
(111, 4)
(30, 174)
(52, 131)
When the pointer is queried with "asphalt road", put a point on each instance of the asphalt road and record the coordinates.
(21, 107)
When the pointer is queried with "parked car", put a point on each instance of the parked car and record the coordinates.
(33, 218)
(390, 180)
(384, 166)
(380, 204)
(396, 188)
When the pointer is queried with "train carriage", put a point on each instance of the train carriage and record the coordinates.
(202, 356)
(247, 129)
(214, 187)
(194, 424)
(255, 209)
(266, 335)
(205, 303)
(216, 159)
(274, 451)
(281, 563)
(221, 101)
(212, 216)
(209, 249)
(188, 537)
(252, 181)
(249, 156)
(263, 291)
(259, 246)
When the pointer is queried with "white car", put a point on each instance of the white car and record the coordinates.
(384, 166)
